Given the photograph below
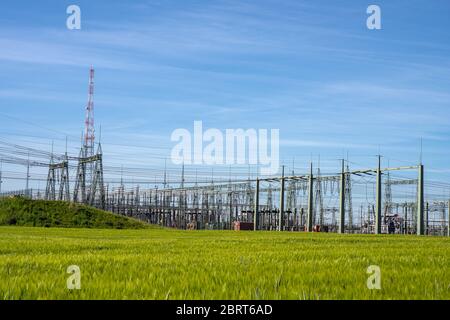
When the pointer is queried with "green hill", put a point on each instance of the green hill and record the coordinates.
(20, 211)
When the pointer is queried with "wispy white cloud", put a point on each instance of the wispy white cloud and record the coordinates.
(297, 65)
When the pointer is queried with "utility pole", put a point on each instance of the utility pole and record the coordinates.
(64, 178)
(319, 198)
(28, 175)
(165, 173)
(448, 219)
(256, 213)
(342, 201)
(182, 176)
(280, 221)
(270, 206)
(378, 199)
(406, 219)
(50, 189)
(348, 197)
(420, 203)
(388, 197)
(310, 200)
(291, 197)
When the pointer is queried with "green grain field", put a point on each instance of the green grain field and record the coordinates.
(168, 264)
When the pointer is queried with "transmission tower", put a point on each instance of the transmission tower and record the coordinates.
(269, 198)
(79, 191)
(291, 195)
(195, 201)
(270, 205)
(58, 172)
(51, 181)
(387, 197)
(97, 190)
(319, 200)
(249, 196)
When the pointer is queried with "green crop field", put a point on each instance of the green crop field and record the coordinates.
(170, 264)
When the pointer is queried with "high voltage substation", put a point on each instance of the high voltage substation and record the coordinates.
(374, 200)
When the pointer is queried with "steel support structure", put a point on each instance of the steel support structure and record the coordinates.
(448, 219)
(256, 209)
(378, 199)
(310, 217)
(341, 228)
(281, 215)
(420, 203)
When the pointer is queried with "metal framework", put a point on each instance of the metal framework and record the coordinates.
(219, 206)
(95, 194)
(58, 173)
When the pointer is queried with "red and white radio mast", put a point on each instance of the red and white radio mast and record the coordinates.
(89, 134)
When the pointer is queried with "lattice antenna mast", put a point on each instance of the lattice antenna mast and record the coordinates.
(89, 134)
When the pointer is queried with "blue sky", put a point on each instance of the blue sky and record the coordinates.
(310, 68)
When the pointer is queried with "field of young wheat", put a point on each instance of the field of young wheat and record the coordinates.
(170, 264)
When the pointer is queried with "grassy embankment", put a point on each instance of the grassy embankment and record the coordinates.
(18, 211)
